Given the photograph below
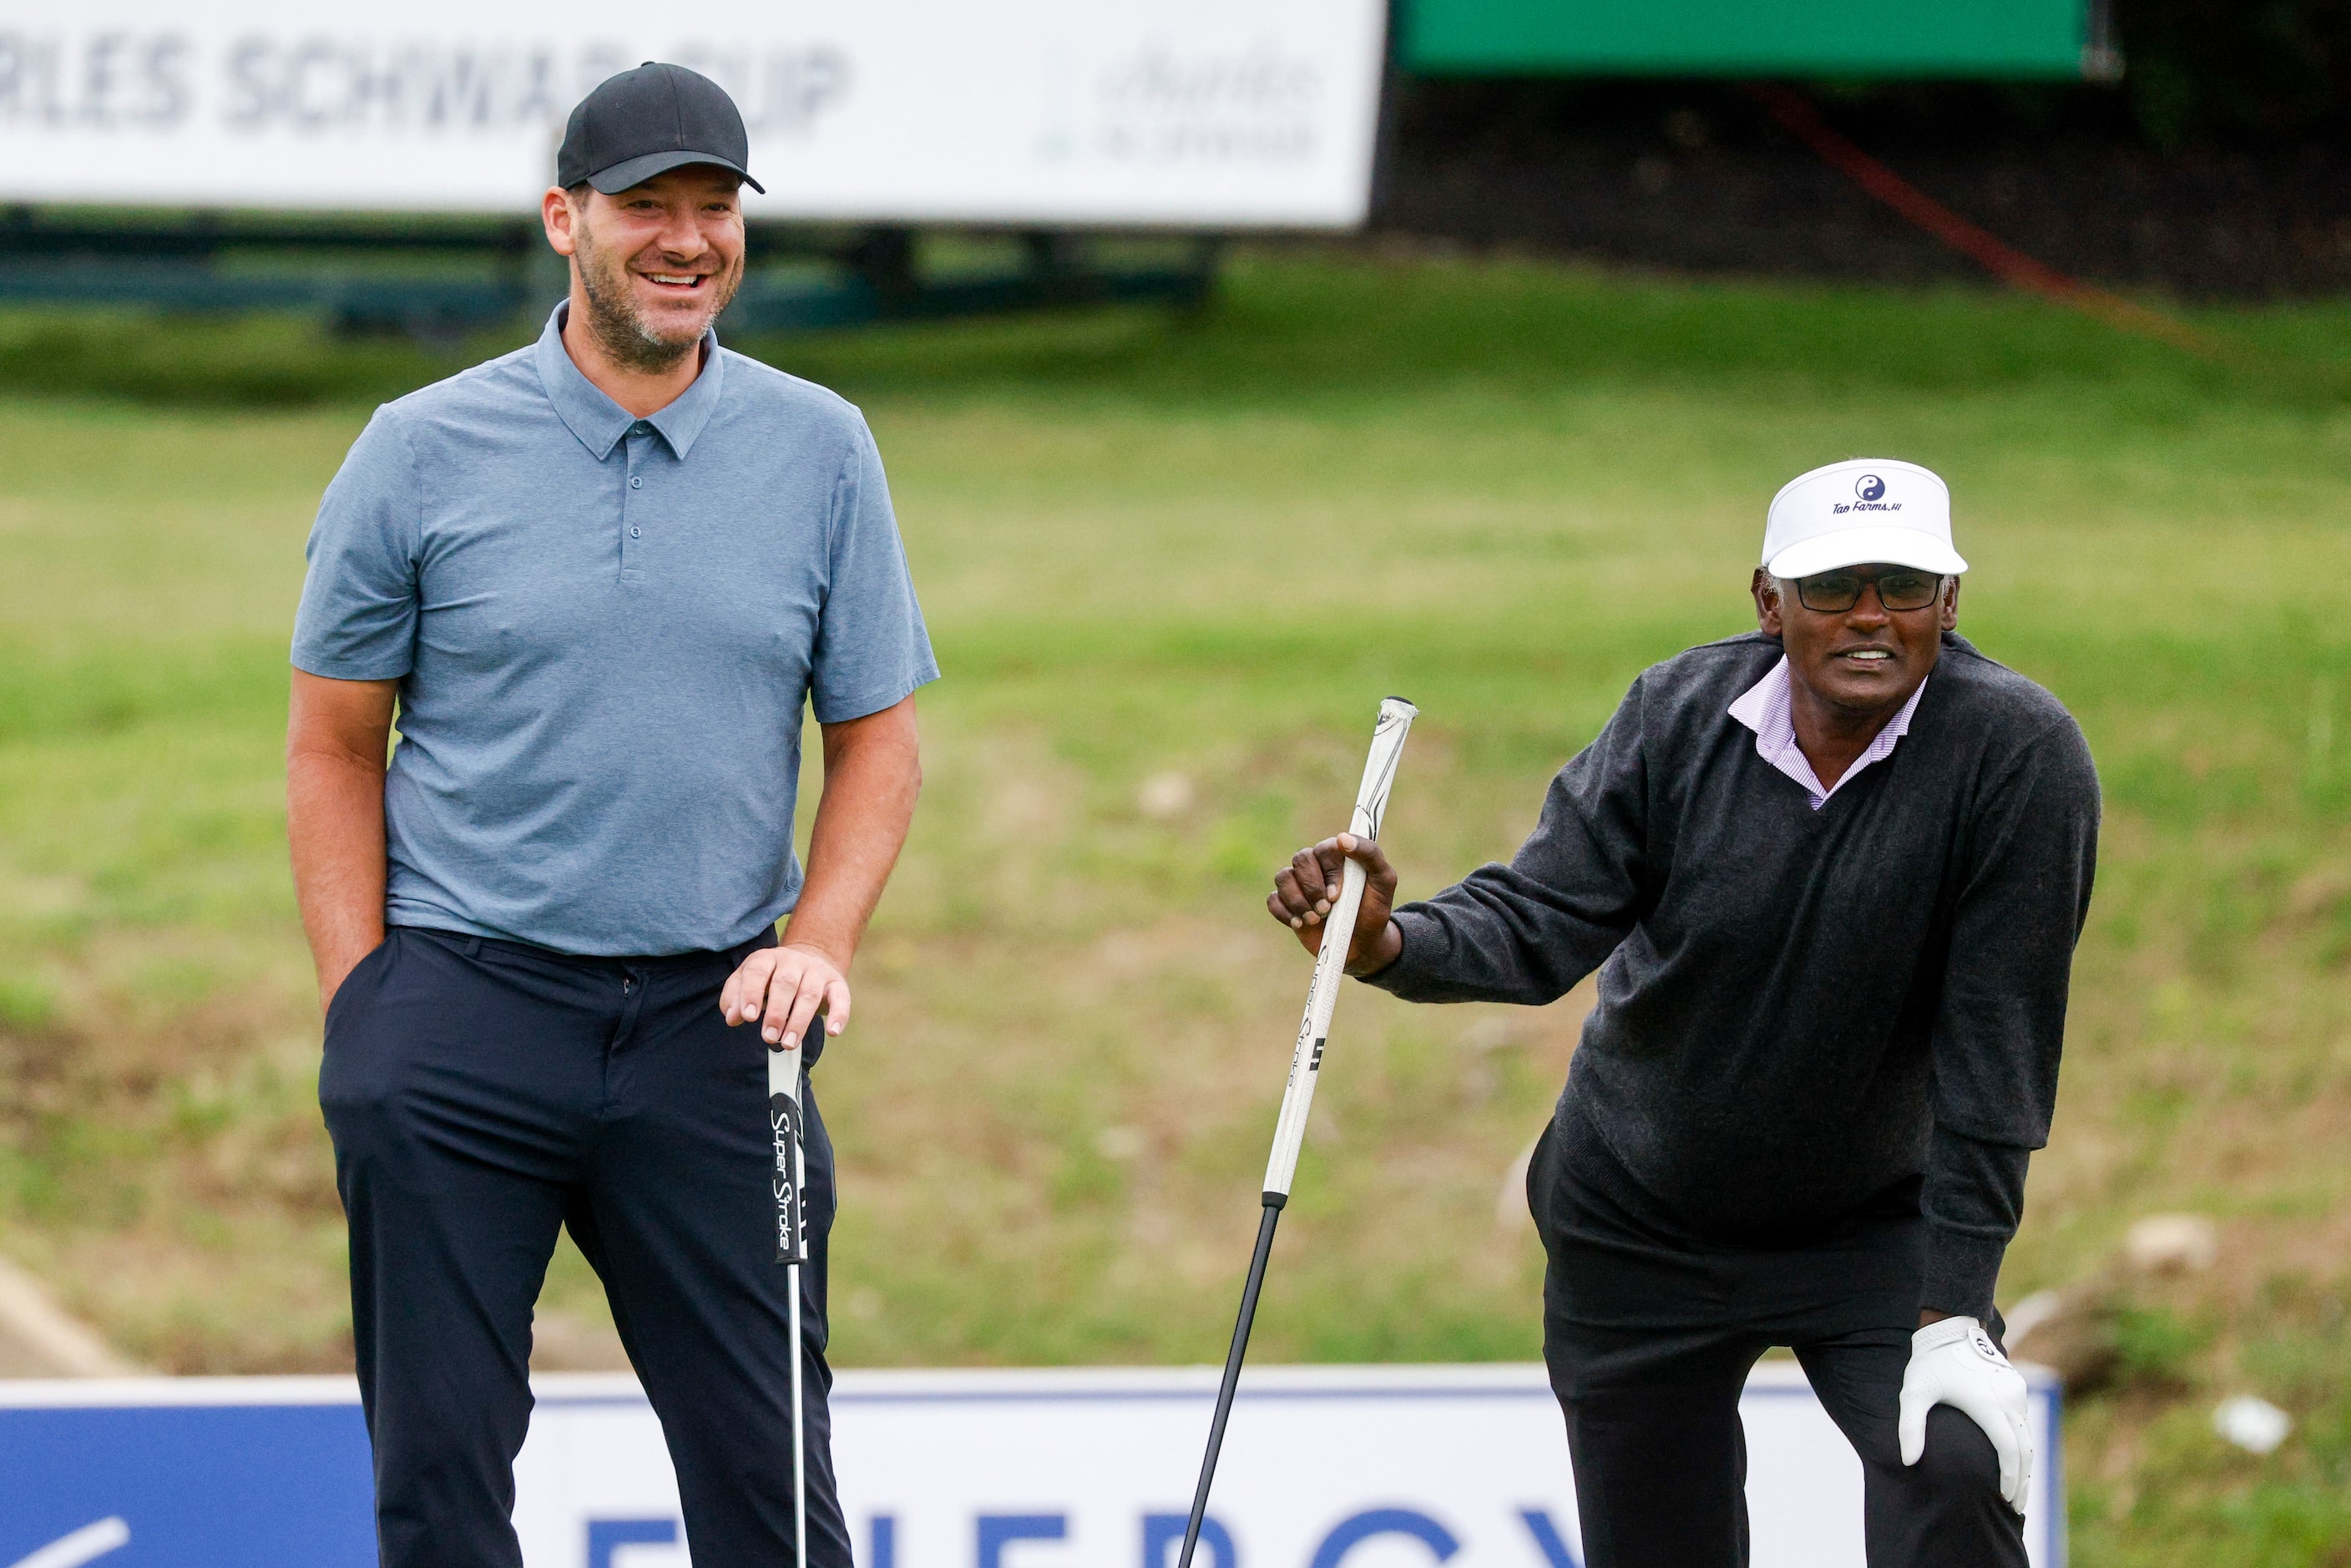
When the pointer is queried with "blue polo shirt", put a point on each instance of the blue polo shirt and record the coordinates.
(604, 629)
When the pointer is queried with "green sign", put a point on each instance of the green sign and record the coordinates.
(1750, 37)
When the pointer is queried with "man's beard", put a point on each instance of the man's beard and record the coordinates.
(618, 325)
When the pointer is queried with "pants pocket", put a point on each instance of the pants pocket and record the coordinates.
(361, 974)
(347, 1031)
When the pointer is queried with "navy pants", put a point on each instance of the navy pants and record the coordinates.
(480, 1096)
(1650, 1332)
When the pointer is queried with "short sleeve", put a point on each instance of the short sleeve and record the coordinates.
(871, 650)
(359, 613)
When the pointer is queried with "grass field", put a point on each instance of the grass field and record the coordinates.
(1205, 549)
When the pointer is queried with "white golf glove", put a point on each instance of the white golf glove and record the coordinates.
(1953, 1363)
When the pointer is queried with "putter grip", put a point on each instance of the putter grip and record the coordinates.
(788, 1181)
(1331, 960)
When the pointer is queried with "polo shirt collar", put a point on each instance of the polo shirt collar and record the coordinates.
(598, 421)
(1768, 708)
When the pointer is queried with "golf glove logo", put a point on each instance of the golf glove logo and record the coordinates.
(1955, 1363)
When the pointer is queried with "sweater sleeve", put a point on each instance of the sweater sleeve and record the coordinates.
(1527, 931)
(2030, 852)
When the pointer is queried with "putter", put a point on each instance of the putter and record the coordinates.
(1305, 1064)
(791, 1252)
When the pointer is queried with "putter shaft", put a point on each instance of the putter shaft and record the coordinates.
(1233, 1358)
(1305, 1066)
(791, 1189)
(799, 1431)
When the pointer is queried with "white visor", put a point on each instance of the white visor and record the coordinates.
(1862, 511)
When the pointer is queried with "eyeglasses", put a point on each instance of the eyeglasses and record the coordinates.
(1898, 588)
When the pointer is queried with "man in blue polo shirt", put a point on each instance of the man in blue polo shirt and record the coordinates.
(598, 578)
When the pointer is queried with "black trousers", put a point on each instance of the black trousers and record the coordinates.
(1650, 1332)
(480, 1096)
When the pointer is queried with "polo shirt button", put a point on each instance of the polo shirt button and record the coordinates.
(641, 428)
(636, 533)
(636, 482)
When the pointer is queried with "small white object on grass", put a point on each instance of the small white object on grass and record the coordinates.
(1164, 795)
(1120, 1143)
(2252, 1424)
(1491, 1032)
(2173, 1243)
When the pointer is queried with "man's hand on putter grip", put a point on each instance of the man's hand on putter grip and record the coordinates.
(787, 986)
(1305, 889)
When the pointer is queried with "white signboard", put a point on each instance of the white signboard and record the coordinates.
(1183, 114)
(1392, 1467)
(1396, 1467)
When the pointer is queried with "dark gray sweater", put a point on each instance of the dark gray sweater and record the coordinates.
(1800, 1010)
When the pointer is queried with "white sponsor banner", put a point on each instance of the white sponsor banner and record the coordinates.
(1389, 1467)
(1211, 113)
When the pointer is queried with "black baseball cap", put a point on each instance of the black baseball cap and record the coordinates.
(647, 121)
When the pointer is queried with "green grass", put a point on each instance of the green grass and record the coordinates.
(1208, 547)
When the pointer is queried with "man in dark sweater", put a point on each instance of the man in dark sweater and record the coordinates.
(1831, 874)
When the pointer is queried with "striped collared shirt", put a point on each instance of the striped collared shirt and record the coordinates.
(1763, 709)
